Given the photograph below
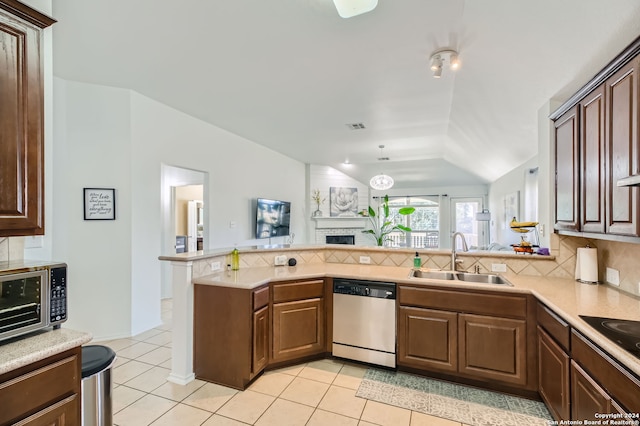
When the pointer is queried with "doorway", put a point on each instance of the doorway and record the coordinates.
(172, 178)
(189, 217)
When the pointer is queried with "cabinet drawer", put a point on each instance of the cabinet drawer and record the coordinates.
(260, 298)
(554, 326)
(614, 378)
(505, 305)
(300, 290)
(39, 388)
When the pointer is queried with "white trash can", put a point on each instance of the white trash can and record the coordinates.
(97, 387)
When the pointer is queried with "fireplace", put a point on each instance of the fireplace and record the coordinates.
(340, 239)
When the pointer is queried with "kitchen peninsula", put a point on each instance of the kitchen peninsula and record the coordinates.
(562, 294)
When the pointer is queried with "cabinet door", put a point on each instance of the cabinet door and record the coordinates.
(21, 123)
(553, 376)
(493, 348)
(567, 169)
(64, 413)
(587, 397)
(298, 329)
(428, 339)
(260, 340)
(592, 161)
(622, 149)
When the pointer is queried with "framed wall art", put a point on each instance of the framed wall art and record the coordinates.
(343, 201)
(99, 203)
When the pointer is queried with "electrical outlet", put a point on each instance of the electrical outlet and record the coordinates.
(365, 259)
(498, 267)
(613, 276)
(215, 266)
(280, 260)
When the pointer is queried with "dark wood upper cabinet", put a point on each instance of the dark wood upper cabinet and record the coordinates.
(21, 119)
(567, 171)
(592, 162)
(622, 147)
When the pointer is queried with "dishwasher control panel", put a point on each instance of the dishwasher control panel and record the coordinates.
(375, 289)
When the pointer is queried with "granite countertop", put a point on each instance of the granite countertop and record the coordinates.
(23, 350)
(566, 297)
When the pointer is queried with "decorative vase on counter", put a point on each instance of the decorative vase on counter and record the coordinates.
(317, 213)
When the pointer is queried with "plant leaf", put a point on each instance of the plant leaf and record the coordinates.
(372, 213)
(406, 210)
(404, 228)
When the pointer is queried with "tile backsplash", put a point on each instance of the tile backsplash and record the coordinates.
(621, 256)
(11, 248)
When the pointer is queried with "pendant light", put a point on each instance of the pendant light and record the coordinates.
(381, 182)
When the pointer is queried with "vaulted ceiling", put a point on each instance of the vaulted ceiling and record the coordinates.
(291, 74)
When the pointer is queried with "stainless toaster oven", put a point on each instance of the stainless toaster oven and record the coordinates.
(33, 299)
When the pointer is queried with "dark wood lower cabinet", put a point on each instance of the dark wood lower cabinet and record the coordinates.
(493, 348)
(428, 338)
(298, 329)
(553, 376)
(64, 413)
(479, 337)
(260, 340)
(587, 397)
(231, 334)
(46, 392)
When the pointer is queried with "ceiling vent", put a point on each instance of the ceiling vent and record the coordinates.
(356, 126)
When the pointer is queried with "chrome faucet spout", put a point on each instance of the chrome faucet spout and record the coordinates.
(454, 260)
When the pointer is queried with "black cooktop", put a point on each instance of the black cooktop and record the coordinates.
(624, 333)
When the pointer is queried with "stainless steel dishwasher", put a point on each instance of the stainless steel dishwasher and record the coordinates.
(364, 321)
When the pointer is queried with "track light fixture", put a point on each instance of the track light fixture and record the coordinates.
(438, 58)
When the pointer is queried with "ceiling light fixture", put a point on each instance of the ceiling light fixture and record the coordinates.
(438, 57)
(349, 8)
(381, 182)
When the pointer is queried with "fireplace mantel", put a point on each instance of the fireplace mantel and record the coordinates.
(340, 222)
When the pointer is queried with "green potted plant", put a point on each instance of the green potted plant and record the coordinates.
(382, 226)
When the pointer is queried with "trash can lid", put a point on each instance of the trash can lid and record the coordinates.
(96, 358)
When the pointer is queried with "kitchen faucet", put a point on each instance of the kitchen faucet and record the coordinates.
(454, 260)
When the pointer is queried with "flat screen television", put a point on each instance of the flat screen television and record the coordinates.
(272, 218)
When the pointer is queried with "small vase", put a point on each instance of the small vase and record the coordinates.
(317, 213)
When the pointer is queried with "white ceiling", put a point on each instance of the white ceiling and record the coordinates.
(290, 74)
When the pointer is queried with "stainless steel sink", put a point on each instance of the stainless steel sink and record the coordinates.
(462, 277)
(482, 278)
(433, 275)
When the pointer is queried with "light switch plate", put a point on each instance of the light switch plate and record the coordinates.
(498, 267)
(280, 260)
(215, 266)
(365, 259)
(613, 276)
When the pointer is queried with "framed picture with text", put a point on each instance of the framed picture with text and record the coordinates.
(99, 203)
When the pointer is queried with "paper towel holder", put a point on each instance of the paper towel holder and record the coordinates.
(580, 272)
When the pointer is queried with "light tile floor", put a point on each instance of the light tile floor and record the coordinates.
(312, 394)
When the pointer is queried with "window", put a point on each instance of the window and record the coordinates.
(424, 222)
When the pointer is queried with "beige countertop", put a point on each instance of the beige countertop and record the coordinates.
(24, 350)
(566, 297)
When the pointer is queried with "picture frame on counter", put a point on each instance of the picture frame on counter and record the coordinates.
(99, 203)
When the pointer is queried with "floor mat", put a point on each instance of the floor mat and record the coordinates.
(463, 404)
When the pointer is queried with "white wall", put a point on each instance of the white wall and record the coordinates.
(115, 138)
(93, 149)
